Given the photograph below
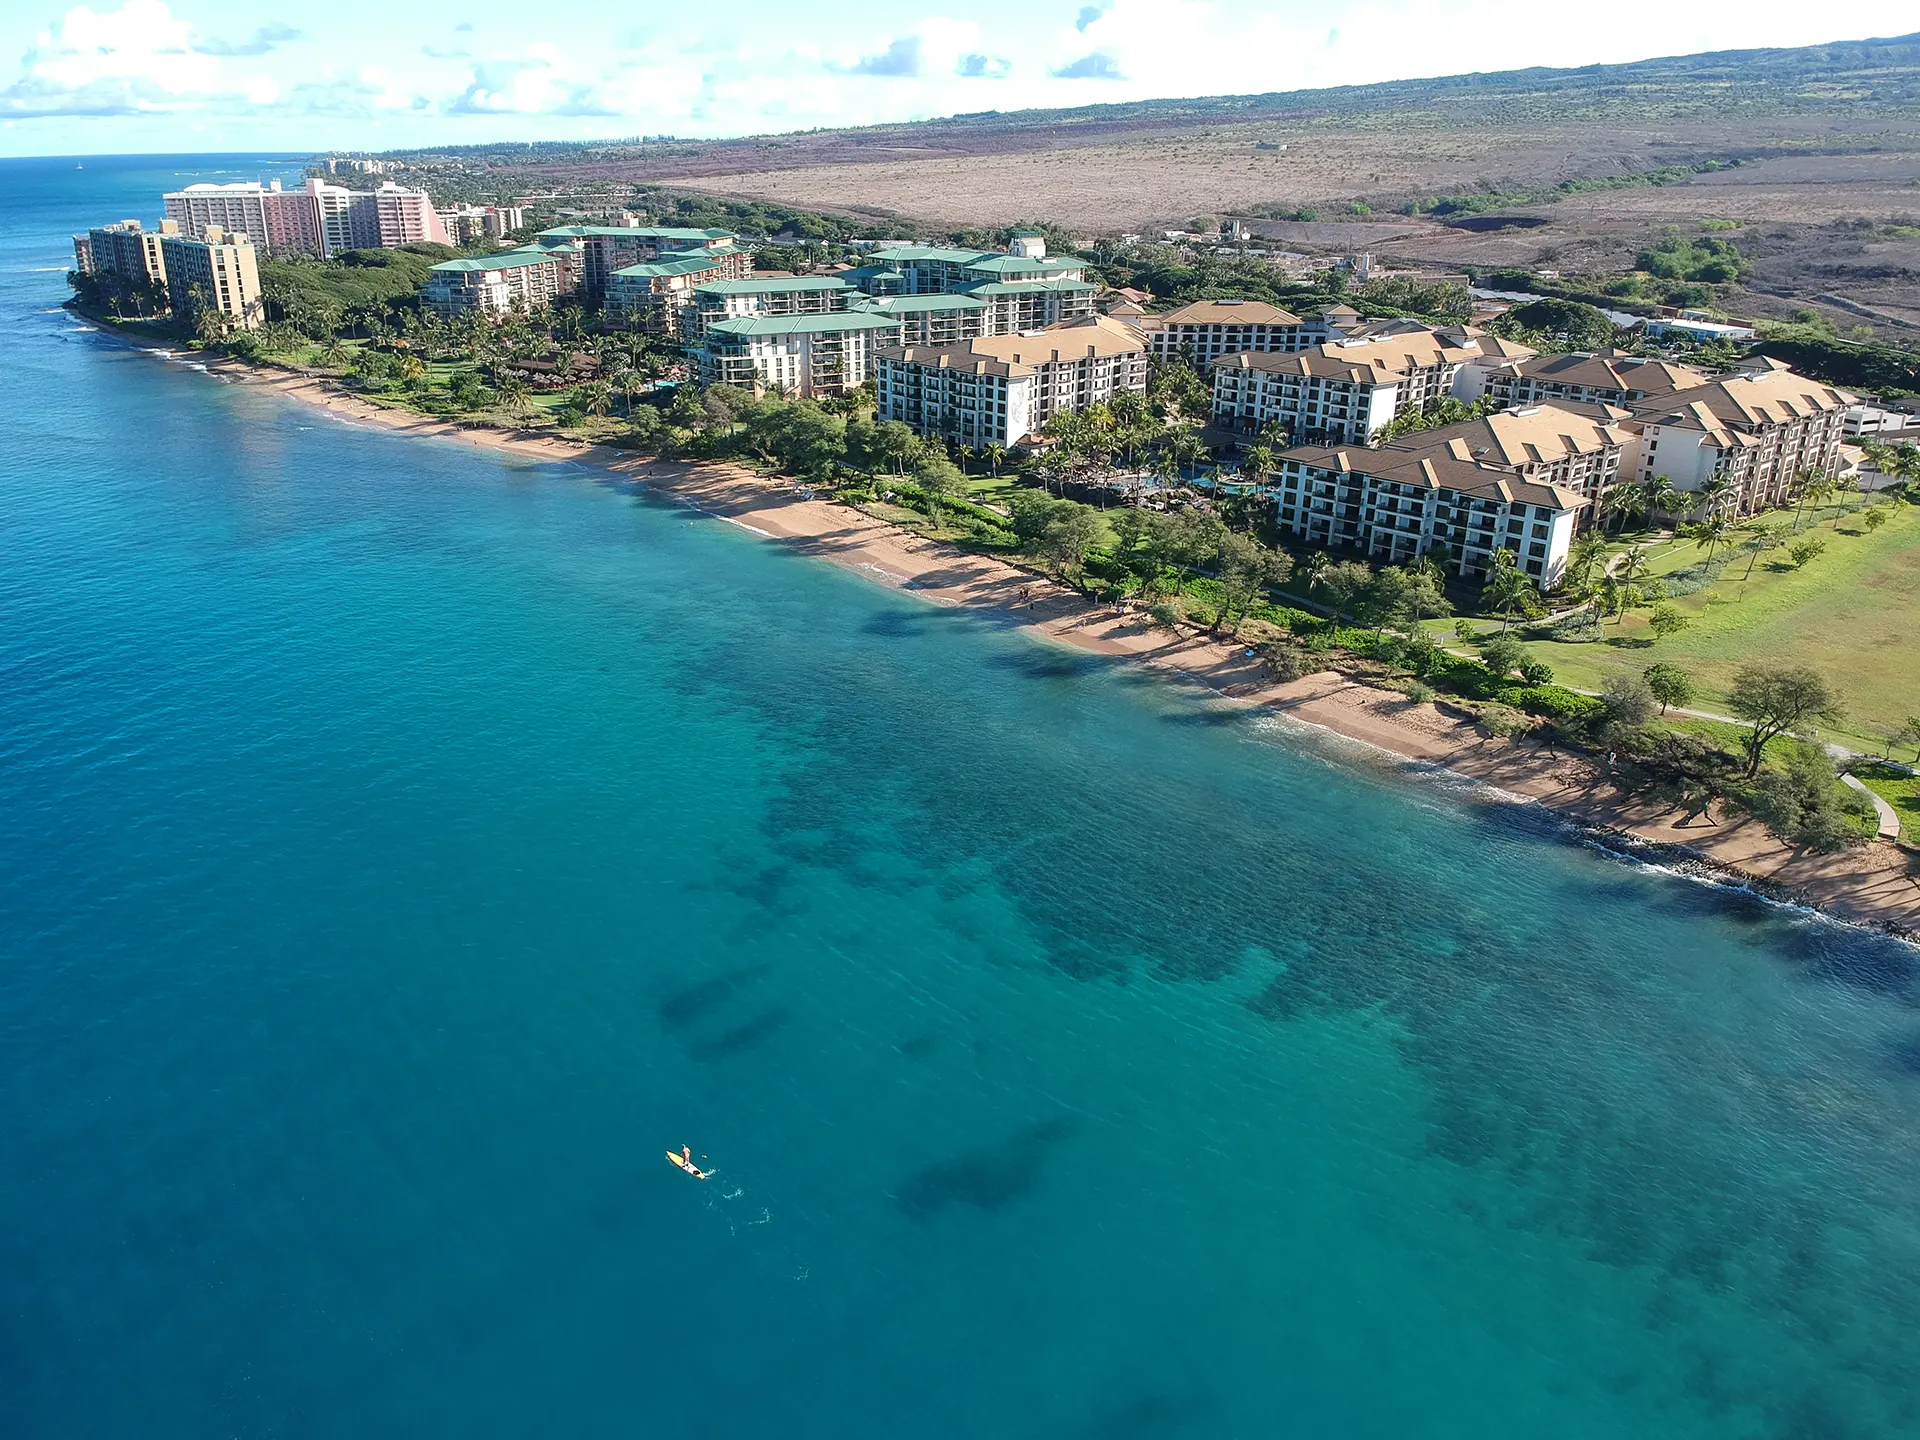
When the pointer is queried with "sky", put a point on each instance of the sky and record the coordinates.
(165, 76)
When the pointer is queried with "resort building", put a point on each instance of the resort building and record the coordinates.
(608, 249)
(1760, 431)
(930, 319)
(217, 272)
(655, 296)
(997, 390)
(768, 295)
(1488, 368)
(805, 356)
(1517, 481)
(518, 282)
(1209, 330)
(1599, 378)
(1340, 393)
(126, 259)
(318, 219)
(1023, 289)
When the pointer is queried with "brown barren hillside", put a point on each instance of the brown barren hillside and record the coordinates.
(1820, 148)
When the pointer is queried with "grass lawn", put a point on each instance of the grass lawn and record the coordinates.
(1853, 614)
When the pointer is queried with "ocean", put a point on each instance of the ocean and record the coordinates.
(402, 846)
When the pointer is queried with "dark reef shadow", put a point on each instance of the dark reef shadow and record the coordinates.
(743, 1036)
(1150, 1416)
(988, 1179)
(683, 1007)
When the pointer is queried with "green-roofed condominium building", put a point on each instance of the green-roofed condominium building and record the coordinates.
(518, 282)
(1021, 289)
(767, 295)
(608, 249)
(804, 355)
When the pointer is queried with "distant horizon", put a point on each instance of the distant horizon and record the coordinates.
(150, 78)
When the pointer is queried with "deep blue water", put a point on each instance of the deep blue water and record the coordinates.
(401, 847)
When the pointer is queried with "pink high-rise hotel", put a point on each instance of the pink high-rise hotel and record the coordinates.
(317, 219)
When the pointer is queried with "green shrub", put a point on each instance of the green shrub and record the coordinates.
(1802, 799)
(1554, 702)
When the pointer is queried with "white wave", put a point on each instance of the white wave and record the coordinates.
(764, 534)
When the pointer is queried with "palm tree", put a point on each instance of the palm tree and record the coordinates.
(1315, 569)
(1622, 502)
(996, 456)
(1764, 538)
(1588, 550)
(1257, 463)
(1507, 587)
(1663, 497)
(1711, 533)
(513, 395)
(1714, 494)
(1813, 486)
(1843, 486)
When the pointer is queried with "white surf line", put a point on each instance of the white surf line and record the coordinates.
(763, 534)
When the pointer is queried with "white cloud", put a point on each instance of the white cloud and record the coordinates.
(139, 59)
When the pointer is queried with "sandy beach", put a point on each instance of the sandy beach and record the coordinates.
(1875, 884)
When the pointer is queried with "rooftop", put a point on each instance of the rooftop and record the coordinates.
(914, 304)
(773, 285)
(638, 232)
(509, 260)
(654, 269)
(1227, 312)
(1608, 371)
(1028, 287)
(1761, 397)
(834, 320)
(1095, 336)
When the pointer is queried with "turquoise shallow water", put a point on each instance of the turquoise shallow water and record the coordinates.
(400, 848)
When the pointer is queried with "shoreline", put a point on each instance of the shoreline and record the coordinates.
(1873, 886)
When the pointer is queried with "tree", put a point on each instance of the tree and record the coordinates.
(1664, 497)
(1424, 595)
(1623, 502)
(1502, 654)
(1029, 512)
(1246, 568)
(1628, 698)
(1874, 519)
(1193, 541)
(995, 456)
(1666, 621)
(1584, 556)
(1910, 732)
(1257, 463)
(1710, 534)
(1809, 547)
(1775, 699)
(1803, 800)
(939, 480)
(1669, 684)
(1761, 539)
(597, 398)
(1582, 327)
(1070, 535)
(1509, 588)
(1344, 582)
(1316, 569)
(1382, 600)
